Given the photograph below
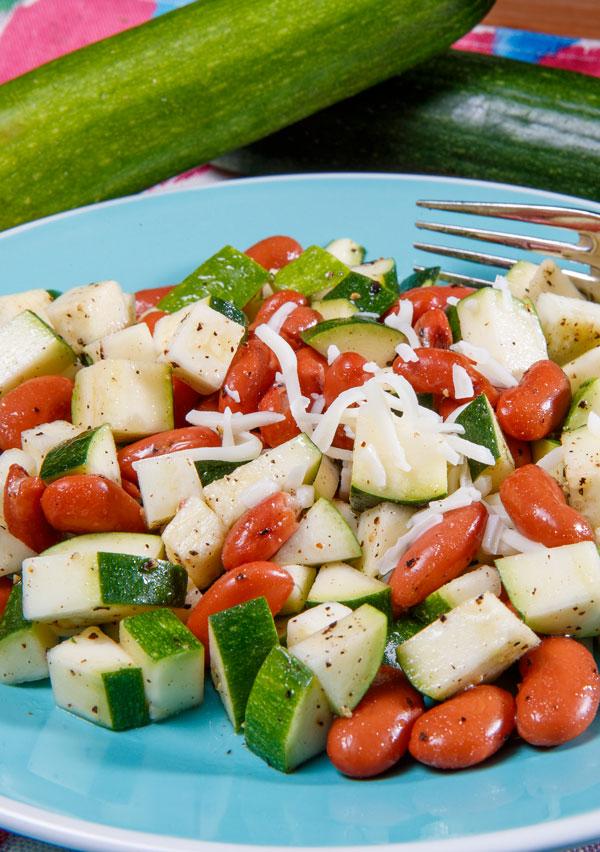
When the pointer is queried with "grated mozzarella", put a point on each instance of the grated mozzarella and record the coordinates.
(495, 372)
(593, 424)
(337, 453)
(259, 491)
(484, 485)
(318, 406)
(232, 394)
(402, 321)
(378, 470)
(294, 478)
(239, 422)
(227, 439)
(329, 421)
(289, 370)
(332, 353)
(349, 432)
(452, 300)
(512, 540)
(305, 496)
(463, 496)
(371, 367)
(386, 422)
(471, 450)
(501, 283)
(249, 448)
(463, 386)
(406, 352)
(494, 529)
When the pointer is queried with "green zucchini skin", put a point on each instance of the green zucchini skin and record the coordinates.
(143, 105)
(460, 114)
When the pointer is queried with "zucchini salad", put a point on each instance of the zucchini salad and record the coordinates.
(366, 508)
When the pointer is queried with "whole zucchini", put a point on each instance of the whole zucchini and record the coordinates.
(458, 114)
(133, 109)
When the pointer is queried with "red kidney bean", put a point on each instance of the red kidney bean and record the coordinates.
(311, 371)
(433, 329)
(539, 510)
(538, 405)
(376, 736)
(272, 304)
(520, 451)
(276, 399)
(297, 322)
(432, 373)
(89, 503)
(425, 298)
(275, 252)
(250, 375)
(439, 555)
(465, 730)
(559, 695)
(344, 373)
(172, 441)
(260, 531)
(185, 399)
(36, 401)
(23, 509)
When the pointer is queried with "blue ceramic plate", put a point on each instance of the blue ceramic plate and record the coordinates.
(189, 783)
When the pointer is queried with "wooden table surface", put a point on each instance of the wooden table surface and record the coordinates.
(576, 18)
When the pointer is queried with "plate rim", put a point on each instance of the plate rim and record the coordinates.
(168, 189)
(52, 827)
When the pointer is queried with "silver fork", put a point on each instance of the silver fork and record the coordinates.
(584, 222)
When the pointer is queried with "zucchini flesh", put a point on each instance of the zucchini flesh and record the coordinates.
(496, 119)
(183, 88)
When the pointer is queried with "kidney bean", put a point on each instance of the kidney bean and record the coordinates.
(465, 730)
(344, 373)
(439, 555)
(132, 490)
(272, 304)
(185, 399)
(539, 510)
(250, 375)
(538, 405)
(145, 300)
(255, 580)
(171, 441)
(425, 298)
(297, 322)
(260, 531)
(275, 252)
(276, 399)
(559, 695)
(311, 371)
(23, 509)
(520, 451)
(376, 736)
(36, 401)
(208, 403)
(432, 373)
(433, 329)
(90, 503)
(6, 585)
(445, 405)
(152, 318)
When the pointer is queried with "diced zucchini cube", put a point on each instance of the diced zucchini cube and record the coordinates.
(101, 586)
(94, 678)
(481, 426)
(134, 343)
(171, 660)
(323, 536)
(23, 644)
(345, 584)
(464, 588)
(88, 313)
(314, 620)
(287, 715)
(165, 483)
(581, 460)
(134, 397)
(31, 300)
(556, 589)
(194, 539)
(202, 348)
(378, 529)
(327, 479)
(91, 452)
(582, 368)
(473, 643)
(345, 657)
(240, 639)
(12, 552)
(38, 442)
(314, 271)
(571, 326)
(136, 544)
(346, 250)
(303, 577)
(30, 348)
(529, 280)
(226, 495)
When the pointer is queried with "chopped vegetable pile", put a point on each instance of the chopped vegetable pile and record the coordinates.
(351, 497)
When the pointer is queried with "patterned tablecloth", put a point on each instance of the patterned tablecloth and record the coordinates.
(35, 31)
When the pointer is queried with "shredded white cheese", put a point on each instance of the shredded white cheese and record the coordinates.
(452, 300)
(406, 352)
(289, 370)
(281, 314)
(463, 386)
(501, 283)
(259, 491)
(593, 423)
(513, 541)
(471, 450)
(318, 406)
(238, 422)
(305, 496)
(371, 367)
(492, 536)
(402, 321)
(232, 394)
(463, 496)
(329, 421)
(377, 469)
(349, 432)
(495, 372)
(390, 558)
(332, 353)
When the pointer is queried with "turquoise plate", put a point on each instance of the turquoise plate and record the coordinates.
(189, 783)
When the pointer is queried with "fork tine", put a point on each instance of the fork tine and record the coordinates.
(542, 214)
(538, 244)
(467, 254)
